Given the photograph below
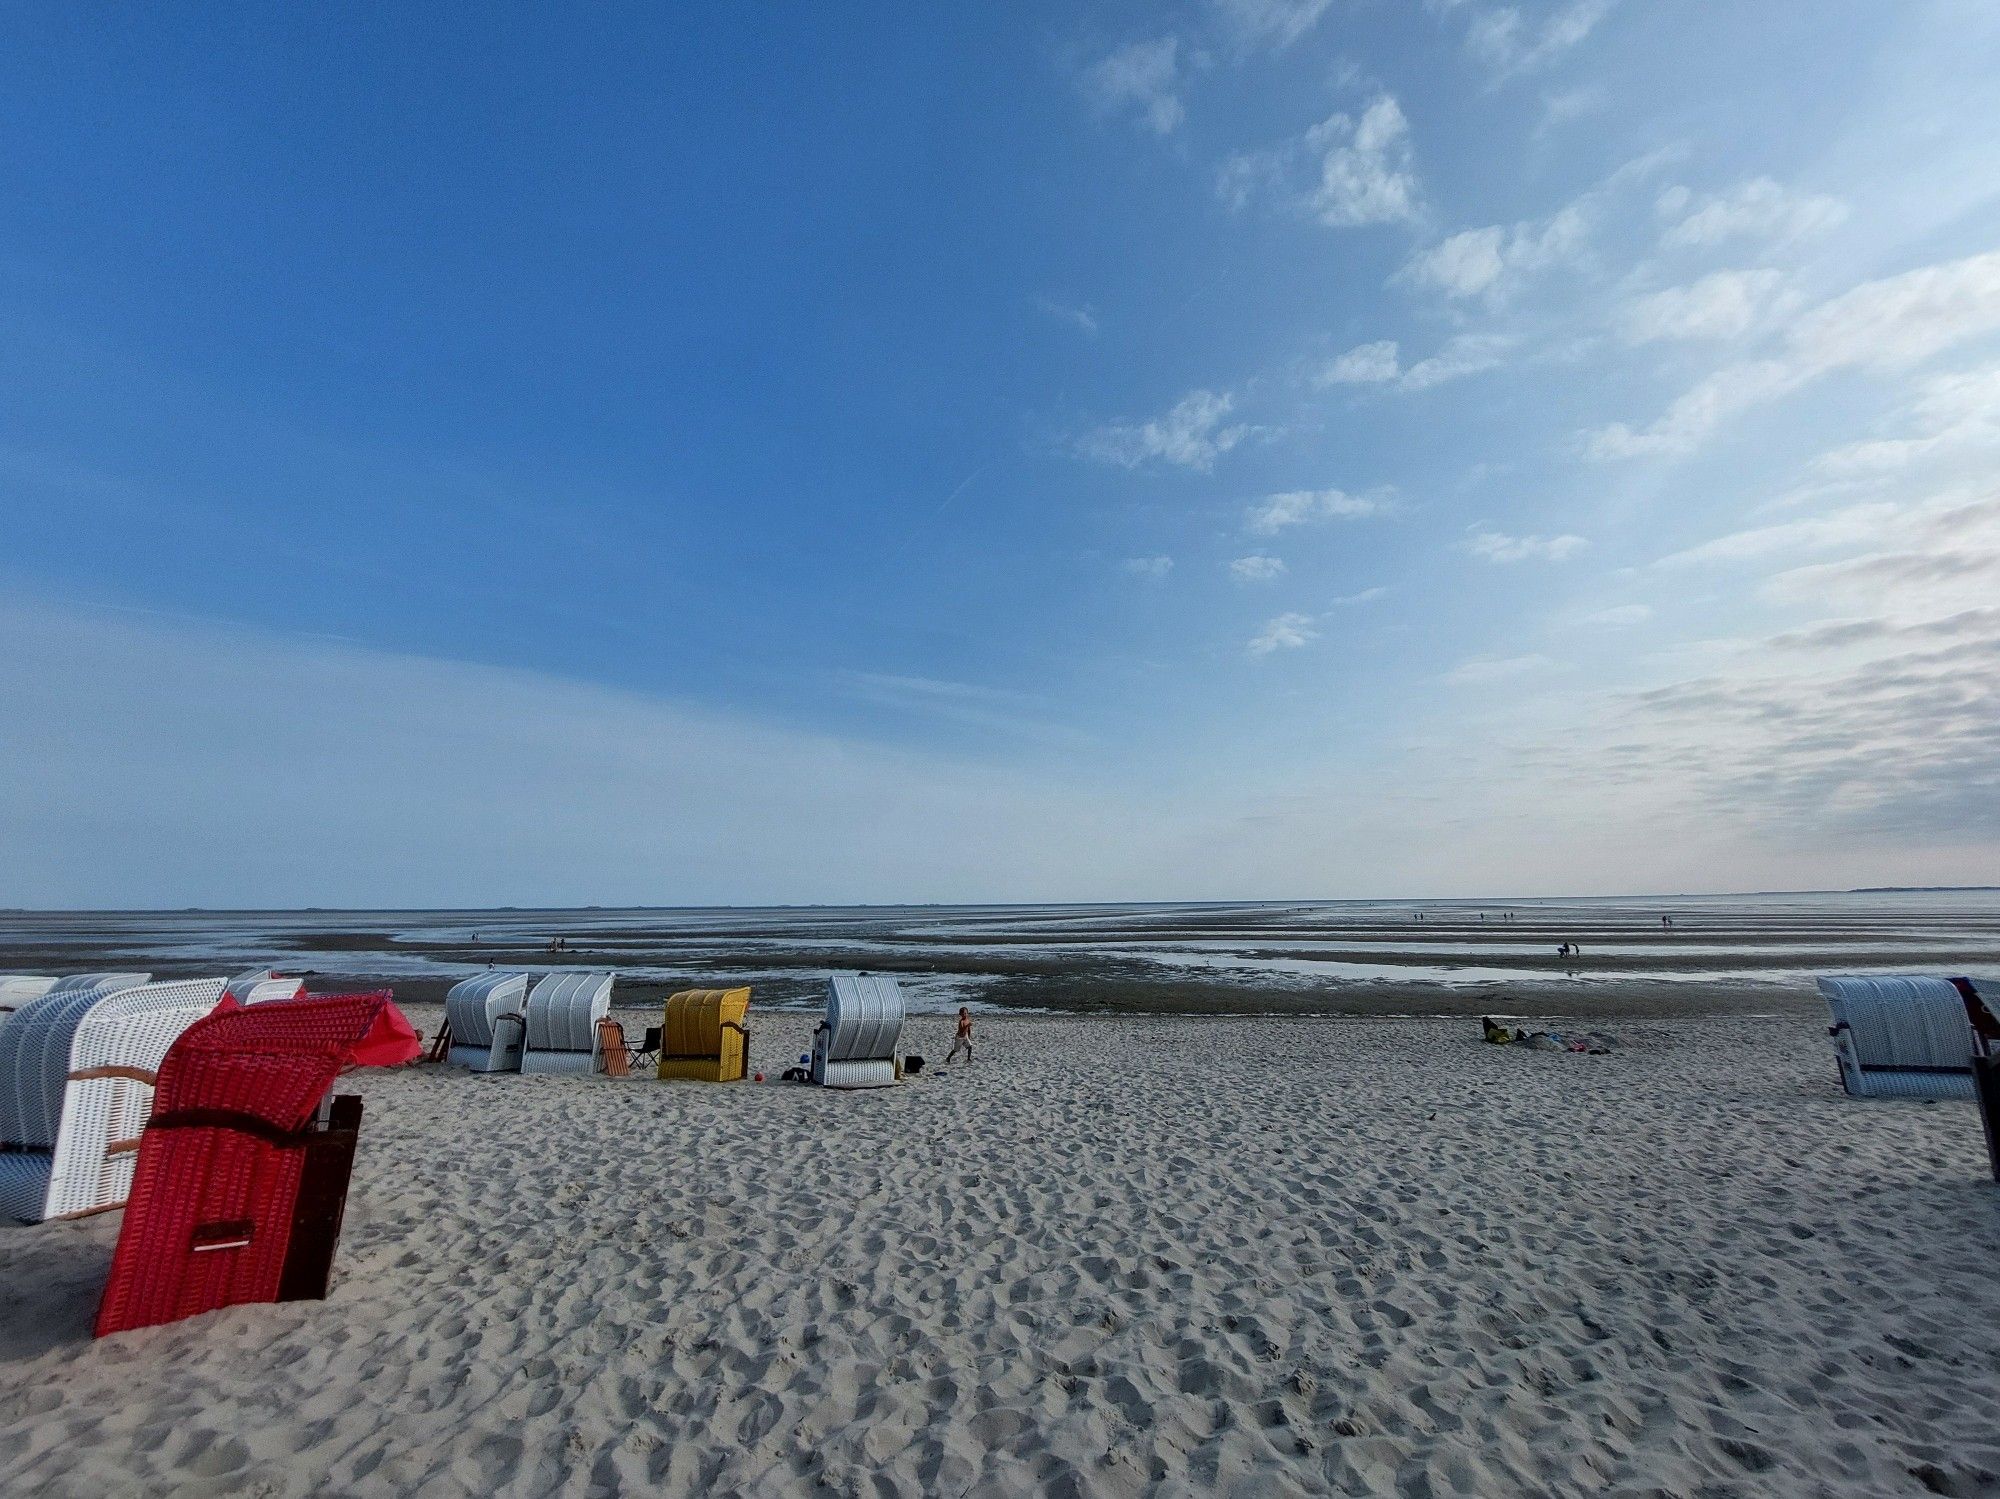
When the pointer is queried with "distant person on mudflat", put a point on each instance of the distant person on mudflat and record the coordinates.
(963, 1040)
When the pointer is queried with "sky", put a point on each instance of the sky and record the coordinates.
(1236, 449)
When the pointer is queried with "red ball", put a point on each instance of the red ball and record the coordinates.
(760, 1077)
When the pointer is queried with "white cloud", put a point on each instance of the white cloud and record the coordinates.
(1498, 261)
(1494, 546)
(1192, 435)
(1559, 108)
(1952, 414)
(1872, 730)
(1142, 76)
(1271, 23)
(1285, 633)
(1494, 262)
(1917, 555)
(1923, 554)
(1078, 316)
(1483, 669)
(1901, 320)
(1509, 44)
(1366, 176)
(1468, 354)
(1696, 413)
(1151, 568)
(1840, 528)
(1365, 364)
(1296, 507)
(1938, 576)
(1365, 596)
(1257, 568)
(1722, 305)
(1620, 615)
(1888, 324)
(1378, 363)
(1760, 209)
(1357, 171)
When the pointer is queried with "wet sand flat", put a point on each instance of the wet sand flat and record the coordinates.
(1711, 955)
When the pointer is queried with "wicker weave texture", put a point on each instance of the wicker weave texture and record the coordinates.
(268, 1067)
(75, 1088)
(702, 1033)
(563, 1011)
(855, 1046)
(485, 1016)
(1905, 1036)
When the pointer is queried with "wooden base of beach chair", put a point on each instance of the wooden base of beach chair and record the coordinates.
(440, 1047)
(322, 1203)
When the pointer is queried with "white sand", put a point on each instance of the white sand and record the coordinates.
(1118, 1257)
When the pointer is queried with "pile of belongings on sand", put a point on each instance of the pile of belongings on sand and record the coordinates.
(1589, 1042)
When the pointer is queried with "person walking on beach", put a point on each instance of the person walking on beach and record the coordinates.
(963, 1040)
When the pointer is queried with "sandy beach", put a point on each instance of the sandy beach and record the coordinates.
(1117, 1256)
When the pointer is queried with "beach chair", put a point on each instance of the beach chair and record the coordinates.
(77, 1068)
(262, 985)
(16, 989)
(242, 1172)
(854, 1046)
(1900, 1036)
(704, 1036)
(102, 982)
(486, 1016)
(563, 1011)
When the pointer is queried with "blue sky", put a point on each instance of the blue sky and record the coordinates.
(1262, 448)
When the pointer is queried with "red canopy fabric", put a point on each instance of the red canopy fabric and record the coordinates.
(390, 1042)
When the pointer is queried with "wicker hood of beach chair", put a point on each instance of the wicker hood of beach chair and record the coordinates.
(77, 1069)
(487, 1017)
(563, 1011)
(240, 1185)
(16, 989)
(855, 1044)
(705, 1036)
(1900, 1036)
(261, 986)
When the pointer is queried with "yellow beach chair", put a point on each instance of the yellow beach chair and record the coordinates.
(706, 1040)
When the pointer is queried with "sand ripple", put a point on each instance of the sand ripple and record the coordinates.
(1119, 1257)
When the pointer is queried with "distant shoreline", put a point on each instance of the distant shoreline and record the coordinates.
(1412, 901)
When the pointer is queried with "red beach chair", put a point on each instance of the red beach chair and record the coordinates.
(240, 1186)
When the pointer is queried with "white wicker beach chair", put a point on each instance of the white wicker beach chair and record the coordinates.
(100, 981)
(487, 1015)
(855, 1045)
(261, 986)
(16, 989)
(1900, 1036)
(76, 1087)
(563, 1011)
